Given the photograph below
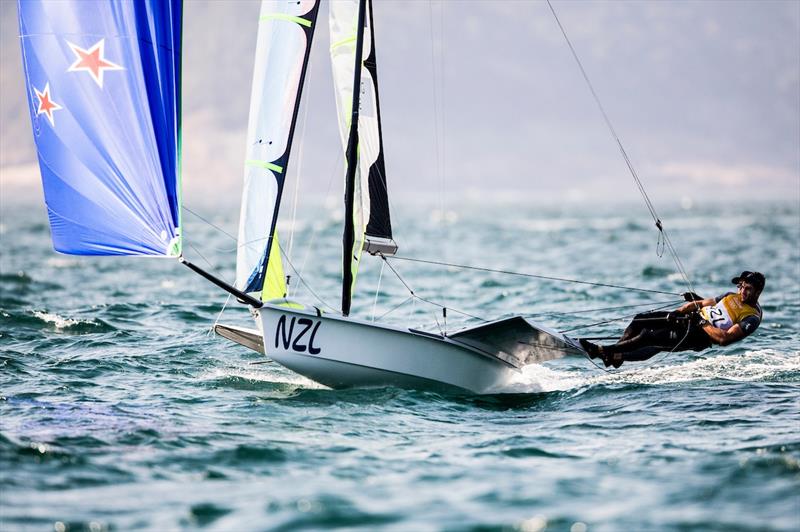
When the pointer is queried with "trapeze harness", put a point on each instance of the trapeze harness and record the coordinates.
(730, 310)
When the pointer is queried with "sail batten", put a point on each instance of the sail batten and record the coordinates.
(284, 41)
(265, 164)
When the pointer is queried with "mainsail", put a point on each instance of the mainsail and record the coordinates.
(284, 42)
(103, 84)
(367, 221)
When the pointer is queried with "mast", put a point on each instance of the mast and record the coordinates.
(286, 30)
(351, 156)
(367, 223)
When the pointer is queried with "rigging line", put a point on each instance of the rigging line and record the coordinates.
(221, 230)
(447, 246)
(299, 165)
(406, 300)
(678, 260)
(299, 276)
(397, 274)
(424, 300)
(598, 366)
(442, 105)
(239, 246)
(659, 356)
(221, 311)
(211, 266)
(662, 307)
(648, 203)
(435, 304)
(535, 276)
(441, 332)
(224, 232)
(316, 229)
(435, 93)
(303, 281)
(377, 291)
(685, 336)
(438, 126)
(437, 86)
(552, 347)
(604, 308)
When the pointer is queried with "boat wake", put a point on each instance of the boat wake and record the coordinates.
(751, 366)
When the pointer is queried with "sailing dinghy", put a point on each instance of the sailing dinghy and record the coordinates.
(103, 81)
(340, 351)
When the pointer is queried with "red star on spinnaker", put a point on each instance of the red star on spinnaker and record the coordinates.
(46, 105)
(92, 61)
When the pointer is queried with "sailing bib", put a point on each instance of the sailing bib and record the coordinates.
(729, 311)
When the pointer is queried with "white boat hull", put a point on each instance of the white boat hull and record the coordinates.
(345, 352)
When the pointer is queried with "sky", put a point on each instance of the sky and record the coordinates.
(482, 99)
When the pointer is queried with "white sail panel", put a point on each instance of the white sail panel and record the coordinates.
(284, 34)
(344, 39)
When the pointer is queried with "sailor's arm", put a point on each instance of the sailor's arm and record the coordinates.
(691, 306)
(722, 337)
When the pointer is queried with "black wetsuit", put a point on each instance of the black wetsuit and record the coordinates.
(652, 332)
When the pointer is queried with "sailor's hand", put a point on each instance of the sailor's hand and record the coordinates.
(698, 320)
(691, 296)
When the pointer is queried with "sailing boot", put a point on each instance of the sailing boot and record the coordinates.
(613, 359)
(593, 350)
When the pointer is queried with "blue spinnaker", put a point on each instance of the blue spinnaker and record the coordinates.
(103, 83)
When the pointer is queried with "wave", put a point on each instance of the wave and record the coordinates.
(20, 324)
(74, 325)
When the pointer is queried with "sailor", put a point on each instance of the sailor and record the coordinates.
(694, 326)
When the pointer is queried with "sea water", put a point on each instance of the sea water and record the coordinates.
(120, 410)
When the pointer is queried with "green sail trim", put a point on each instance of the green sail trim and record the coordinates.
(274, 280)
(348, 40)
(174, 247)
(264, 164)
(283, 16)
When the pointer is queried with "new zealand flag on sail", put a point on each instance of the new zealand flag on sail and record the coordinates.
(103, 84)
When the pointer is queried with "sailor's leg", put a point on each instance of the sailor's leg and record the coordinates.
(643, 353)
(630, 344)
(647, 344)
(641, 347)
(645, 320)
